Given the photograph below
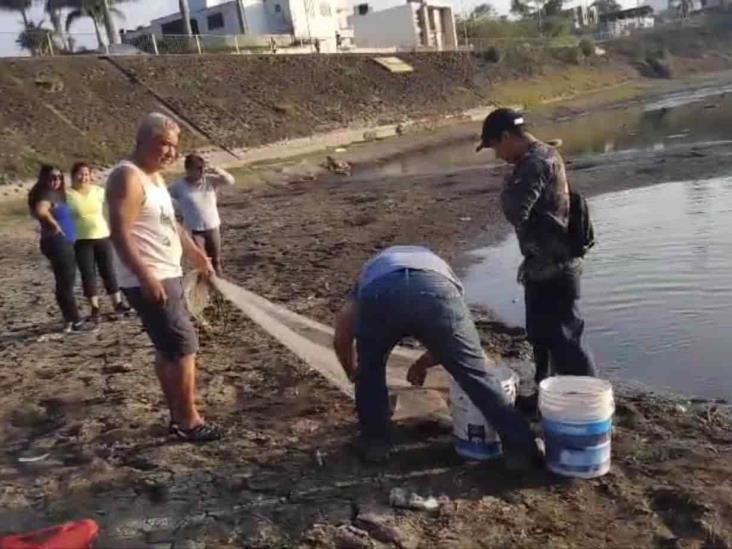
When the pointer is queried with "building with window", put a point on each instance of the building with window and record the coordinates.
(583, 13)
(306, 21)
(625, 22)
(417, 24)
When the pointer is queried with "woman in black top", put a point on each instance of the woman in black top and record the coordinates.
(47, 203)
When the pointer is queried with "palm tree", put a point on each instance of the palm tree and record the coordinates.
(35, 38)
(185, 14)
(99, 12)
(107, 12)
(53, 9)
(17, 5)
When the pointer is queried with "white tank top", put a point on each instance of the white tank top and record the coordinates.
(154, 232)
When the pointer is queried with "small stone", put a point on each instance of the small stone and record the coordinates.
(188, 544)
(350, 537)
(29, 415)
(379, 527)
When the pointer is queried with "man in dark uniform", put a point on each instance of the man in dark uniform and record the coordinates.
(535, 200)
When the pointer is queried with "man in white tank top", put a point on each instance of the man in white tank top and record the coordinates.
(149, 245)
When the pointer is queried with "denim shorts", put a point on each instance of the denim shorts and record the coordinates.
(168, 325)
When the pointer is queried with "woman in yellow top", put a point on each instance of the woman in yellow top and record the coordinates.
(93, 247)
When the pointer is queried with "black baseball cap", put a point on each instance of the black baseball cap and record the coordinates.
(497, 122)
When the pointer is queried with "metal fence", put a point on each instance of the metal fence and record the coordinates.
(44, 43)
(47, 44)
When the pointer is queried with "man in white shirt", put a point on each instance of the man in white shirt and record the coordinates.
(149, 245)
(196, 200)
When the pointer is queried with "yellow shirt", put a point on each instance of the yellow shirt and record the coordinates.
(88, 212)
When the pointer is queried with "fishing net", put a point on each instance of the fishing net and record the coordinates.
(311, 342)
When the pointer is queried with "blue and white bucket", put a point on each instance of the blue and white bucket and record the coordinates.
(475, 438)
(577, 417)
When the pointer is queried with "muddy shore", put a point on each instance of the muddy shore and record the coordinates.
(90, 403)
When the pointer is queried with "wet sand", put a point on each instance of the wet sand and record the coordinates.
(92, 404)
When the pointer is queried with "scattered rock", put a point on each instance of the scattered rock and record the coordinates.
(340, 167)
(188, 544)
(350, 537)
(50, 84)
(117, 368)
(379, 527)
(29, 414)
(399, 497)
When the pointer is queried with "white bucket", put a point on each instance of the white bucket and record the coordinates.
(475, 438)
(577, 417)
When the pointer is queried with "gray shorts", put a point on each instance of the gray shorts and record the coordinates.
(169, 326)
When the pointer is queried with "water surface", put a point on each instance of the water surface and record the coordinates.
(657, 290)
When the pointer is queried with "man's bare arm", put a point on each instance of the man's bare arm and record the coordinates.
(344, 336)
(125, 197)
(219, 177)
(417, 372)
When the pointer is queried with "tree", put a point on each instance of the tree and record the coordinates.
(185, 14)
(35, 38)
(537, 8)
(53, 9)
(483, 10)
(98, 11)
(522, 8)
(607, 6)
(21, 6)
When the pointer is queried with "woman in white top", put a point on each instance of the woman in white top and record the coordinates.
(196, 200)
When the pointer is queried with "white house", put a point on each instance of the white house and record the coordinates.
(416, 24)
(621, 23)
(582, 12)
(303, 20)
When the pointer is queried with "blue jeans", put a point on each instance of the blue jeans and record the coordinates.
(430, 308)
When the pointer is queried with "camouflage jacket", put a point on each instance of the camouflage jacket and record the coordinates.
(535, 200)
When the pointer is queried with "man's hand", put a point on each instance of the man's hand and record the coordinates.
(195, 254)
(416, 374)
(202, 263)
(153, 290)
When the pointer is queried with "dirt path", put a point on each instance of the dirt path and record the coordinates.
(92, 404)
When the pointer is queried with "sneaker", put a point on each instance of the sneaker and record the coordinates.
(81, 326)
(206, 432)
(94, 317)
(122, 308)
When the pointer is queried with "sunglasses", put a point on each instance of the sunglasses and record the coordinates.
(56, 177)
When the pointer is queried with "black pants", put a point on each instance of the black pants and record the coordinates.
(556, 329)
(92, 256)
(211, 242)
(60, 253)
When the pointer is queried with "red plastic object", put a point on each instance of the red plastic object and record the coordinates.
(72, 535)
